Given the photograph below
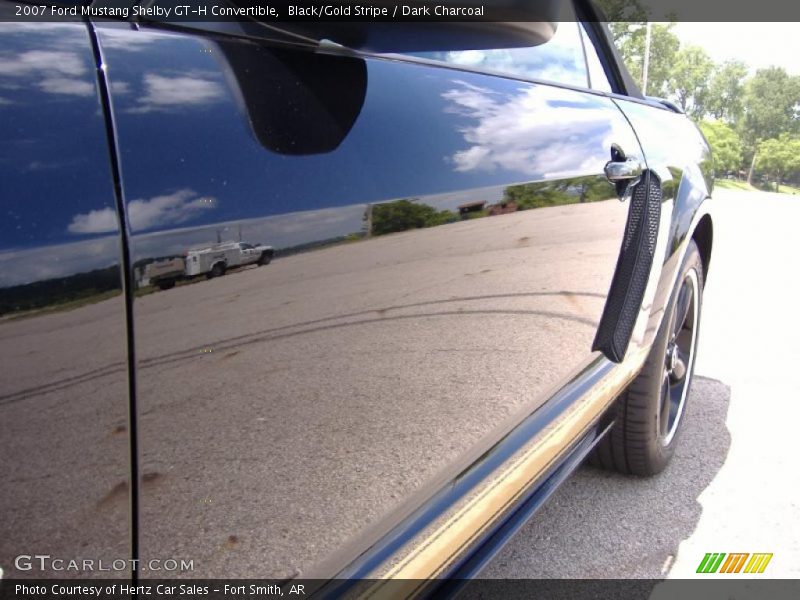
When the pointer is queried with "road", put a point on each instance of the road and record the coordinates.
(733, 483)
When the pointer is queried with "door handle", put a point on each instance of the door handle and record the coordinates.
(624, 170)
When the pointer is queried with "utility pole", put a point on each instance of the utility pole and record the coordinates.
(646, 66)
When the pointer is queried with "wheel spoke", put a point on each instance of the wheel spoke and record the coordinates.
(682, 307)
(663, 413)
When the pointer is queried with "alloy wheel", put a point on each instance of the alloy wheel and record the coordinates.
(679, 358)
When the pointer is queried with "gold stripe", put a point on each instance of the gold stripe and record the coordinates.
(432, 556)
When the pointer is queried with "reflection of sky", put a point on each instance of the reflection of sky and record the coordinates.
(191, 163)
(26, 265)
(442, 132)
(539, 129)
(53, 152)
(559, 60)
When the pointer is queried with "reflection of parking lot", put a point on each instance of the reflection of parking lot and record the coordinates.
(732, 486)
(285, 410)
(358, 372)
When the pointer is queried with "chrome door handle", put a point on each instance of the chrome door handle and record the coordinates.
(623, 170)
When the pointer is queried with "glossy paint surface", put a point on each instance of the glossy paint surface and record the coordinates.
(289, 412)
(63, 364)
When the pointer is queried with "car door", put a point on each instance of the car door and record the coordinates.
(445, 238)
(64, 429)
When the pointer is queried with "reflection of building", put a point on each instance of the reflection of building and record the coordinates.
(470, 207)
(502, 208)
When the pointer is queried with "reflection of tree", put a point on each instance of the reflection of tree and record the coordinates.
(557, 192)
(61, 290)
(401, 215)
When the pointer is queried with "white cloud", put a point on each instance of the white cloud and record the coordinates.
(531, 132)
(58, 72)
(70, 87)
(42, 61)
(130, 41)
(120, 87)
(170, 93)
(178, 207)
(158, 211)
(96, 221)
(472, 158)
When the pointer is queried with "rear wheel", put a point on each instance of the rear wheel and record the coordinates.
(218, 270)
(650, 412)
(166, 285)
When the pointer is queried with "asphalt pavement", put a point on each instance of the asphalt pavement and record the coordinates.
(733, 485)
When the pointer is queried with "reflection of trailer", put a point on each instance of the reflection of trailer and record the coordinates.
(214, 260)
(164, 273)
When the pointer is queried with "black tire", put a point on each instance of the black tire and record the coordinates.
(166, 285)
(649, 413)
(266, 258)
(218, 270)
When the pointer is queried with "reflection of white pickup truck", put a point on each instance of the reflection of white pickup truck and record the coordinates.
(211, 261)
(214, 260)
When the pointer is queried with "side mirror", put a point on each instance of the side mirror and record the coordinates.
(297, 102)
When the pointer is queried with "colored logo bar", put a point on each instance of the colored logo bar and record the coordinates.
(714, 562)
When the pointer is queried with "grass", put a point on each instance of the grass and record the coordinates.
(735, 184)
(789, 189)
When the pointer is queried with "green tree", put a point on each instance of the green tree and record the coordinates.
(401, 215)
(629, 38)
(771, 103)
(688, 80)
(726, 92)
(779, 157)
(726, 145)
(555, 193)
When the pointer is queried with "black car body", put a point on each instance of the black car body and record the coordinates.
(403, 384)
